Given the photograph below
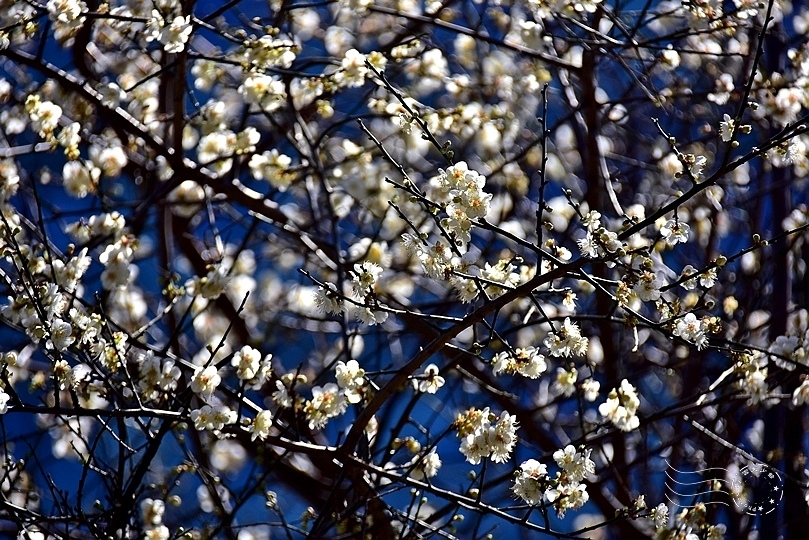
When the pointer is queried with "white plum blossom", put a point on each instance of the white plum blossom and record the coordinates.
(675, 232)
(621, 407)
(79, 178)
(754, 384)
(4, 399)
(282, 395)
(205, 381)
(426, 466)
(689, 283)
(590, 388)
(261, 425)
(186, 198)
(172, 34)
(461, 189)
(265, 91)
(247, 362)
(351, 378)
(525, 361)
(598, 240)
(648, 286)
(328, 300)
(503, 272)
(110, 160)
(484, 435)
(726, 128)
(531, 482)
(157, 377)
(660, 515)
(270, 51)
(706, 278)
(213, 418)
(44, 115)
(369, 316)
(327, 402)
(567, 341)
(273, 167)
(61, 334)
(430, 381)
(152, 511)
(692, 329)
(65, 11)
(792, 348)
(365, 276)
(568, 497)
(801, 393)
(565, 383)
(352, 71)
(212, 285)
(576, 464)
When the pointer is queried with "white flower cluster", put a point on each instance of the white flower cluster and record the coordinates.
(110, 158)
(265, 91)
(216, 149)
(460, 190)
(117, 260)
(106, 224)
(152, 512)
(4, 399)
(648, 286)
(272, 167)
(706, 278)
(363, 284)
(597, 241)
(213, 418)
(44, 115)
(251, 368)
(212, 285)
(503, 272)
(261, 425)
(495, 280)
(675, 232)
(544, 9)
(66, 16)
(435, 259)
(531, 482)
(270, 51)
(692, 329)
(525, 361)
(351, 378)
(157, 378)
(484, 435)
(353, 71)
(171, 30)
(80, 178)
(726, 128)
(791, 347)
(327, 402)
(621, 407)
(753, 379)
(425, 466)
(428, 70)
(42, 307)
(567, 341)
(187, 198)
(566, 491)
(205, 381)
(565, 383)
